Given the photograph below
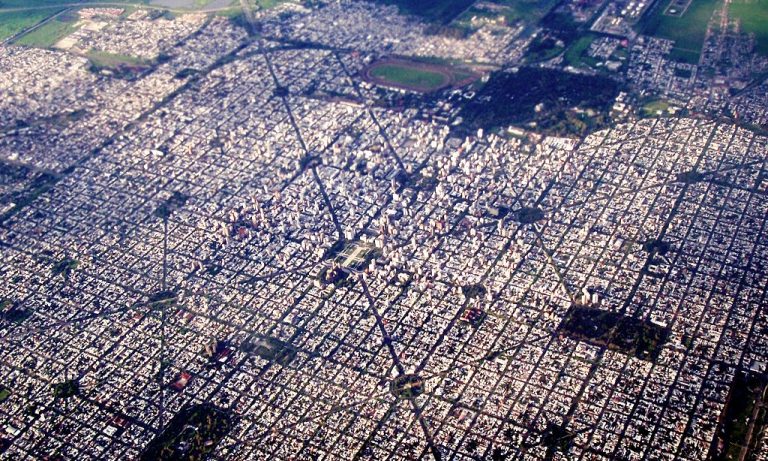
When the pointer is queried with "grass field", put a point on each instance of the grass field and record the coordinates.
(121, 66)
(545, 46)
(654, 108)
(753, 15)
(441, 11)
(576, 54)
(4, 393)
(14, 22)
(402, 75)
(190, 435)
(687, 31)
(53, 31)
(110, 60)
(527, 10)
(267, 4)
(530, 11)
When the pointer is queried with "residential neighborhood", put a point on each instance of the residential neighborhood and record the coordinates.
(223, 238)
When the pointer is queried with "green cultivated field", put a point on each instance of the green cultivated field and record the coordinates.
(47, 35)
(410, 77)
(753, 15)
(14, 22)
(687, 31)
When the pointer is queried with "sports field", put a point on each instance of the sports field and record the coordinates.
(688, 31)
(654, 108)
(403, 75)
(421, 76)
(753, 15)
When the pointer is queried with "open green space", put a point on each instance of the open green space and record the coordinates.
(475, 12)
(629, 335)
(407, 386)
(561, 24)
(111, 60)
(576, 54)
(526, 10)
(654, 108)
(753, 15)
(10, 312)
(530, 11)
(266, 4)
(688, 31)
(172, 203)
(442, 11)
(66, 389)
(555, 102)
(64, 266)
(4, 393)
(272, 349)
(529, 215)
(12, 23)
(191, 435)
(403, 75)
(189, 4)
(544, 47)
(51, 32)
(556, 438)
(742, 420)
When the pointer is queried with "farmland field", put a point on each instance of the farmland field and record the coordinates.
(12, 23)
(688, 31)
(442, 11)
(753, 15)
(50, 33)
